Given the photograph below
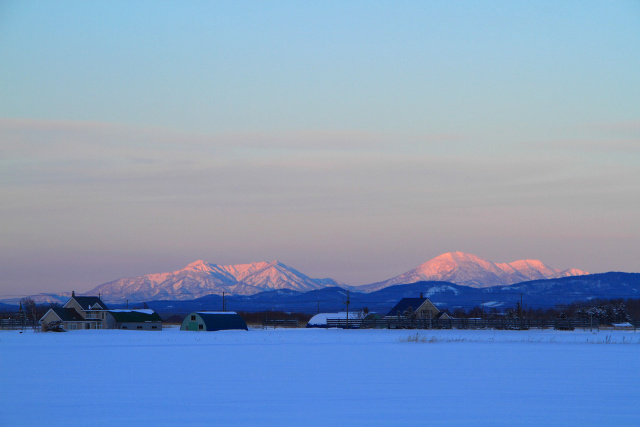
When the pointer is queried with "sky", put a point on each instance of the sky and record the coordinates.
(347, 139)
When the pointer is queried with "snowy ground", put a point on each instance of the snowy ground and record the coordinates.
(319, 377)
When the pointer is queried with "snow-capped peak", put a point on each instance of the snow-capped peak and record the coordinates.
(201, 278)
(471, 270)
(199, 265)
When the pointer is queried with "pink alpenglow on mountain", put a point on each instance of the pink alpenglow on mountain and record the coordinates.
(201, 278)
(471, 270)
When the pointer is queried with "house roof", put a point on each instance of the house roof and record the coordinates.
(87, 302)
(68, 314)
(406, 303)
(125, 316)
(217, 321)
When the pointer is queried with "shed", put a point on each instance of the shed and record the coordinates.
(213, 321)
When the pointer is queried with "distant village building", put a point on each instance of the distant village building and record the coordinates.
(87, 312)
(213, 321)
(417, 308)
(70, 319)
(320, 319)
(90, 312)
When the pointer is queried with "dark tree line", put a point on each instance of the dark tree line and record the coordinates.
(258, 317)
(251, 318)
(605, 311)
(31, 310)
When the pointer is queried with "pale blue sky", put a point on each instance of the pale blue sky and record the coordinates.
(353, 140)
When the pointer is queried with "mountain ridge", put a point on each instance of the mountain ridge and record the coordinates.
(533, 294)
(537, 294)
(201, 278)
(471, 270)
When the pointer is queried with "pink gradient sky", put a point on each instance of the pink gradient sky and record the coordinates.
(352, 140)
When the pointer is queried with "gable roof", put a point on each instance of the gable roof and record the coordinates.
(125, 316)
(404, 304)
(87, 302)
(68, 314)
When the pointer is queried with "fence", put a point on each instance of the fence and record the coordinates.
(14, 324)
(502, 323)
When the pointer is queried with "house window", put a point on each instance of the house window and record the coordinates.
(87, 326)
(124, 327)
(200, 327)
(193, 317)
(72, 326)
(139, 327)
(154, 327)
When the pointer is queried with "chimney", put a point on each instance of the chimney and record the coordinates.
(421, 296)
(73, 294)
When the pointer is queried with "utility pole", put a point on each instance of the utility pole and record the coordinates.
(318, 307)
(224, 308)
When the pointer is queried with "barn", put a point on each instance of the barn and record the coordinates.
(141, 320)
(213, 321)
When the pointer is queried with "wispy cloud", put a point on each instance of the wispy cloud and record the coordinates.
(154, 162)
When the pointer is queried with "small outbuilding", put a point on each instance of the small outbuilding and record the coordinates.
(213, 321)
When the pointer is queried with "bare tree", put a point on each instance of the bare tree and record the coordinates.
(33, 312)
(361, 313)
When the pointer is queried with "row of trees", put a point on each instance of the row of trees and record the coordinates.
(605, 311)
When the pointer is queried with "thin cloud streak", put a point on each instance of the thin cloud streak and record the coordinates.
(164, 174)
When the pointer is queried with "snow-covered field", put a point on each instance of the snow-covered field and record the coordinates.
(319, 377)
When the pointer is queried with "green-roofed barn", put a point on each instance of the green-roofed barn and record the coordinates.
(213, 321)
(141, 320)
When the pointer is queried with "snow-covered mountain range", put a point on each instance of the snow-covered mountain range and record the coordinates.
(201, 278)
(471, 270)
